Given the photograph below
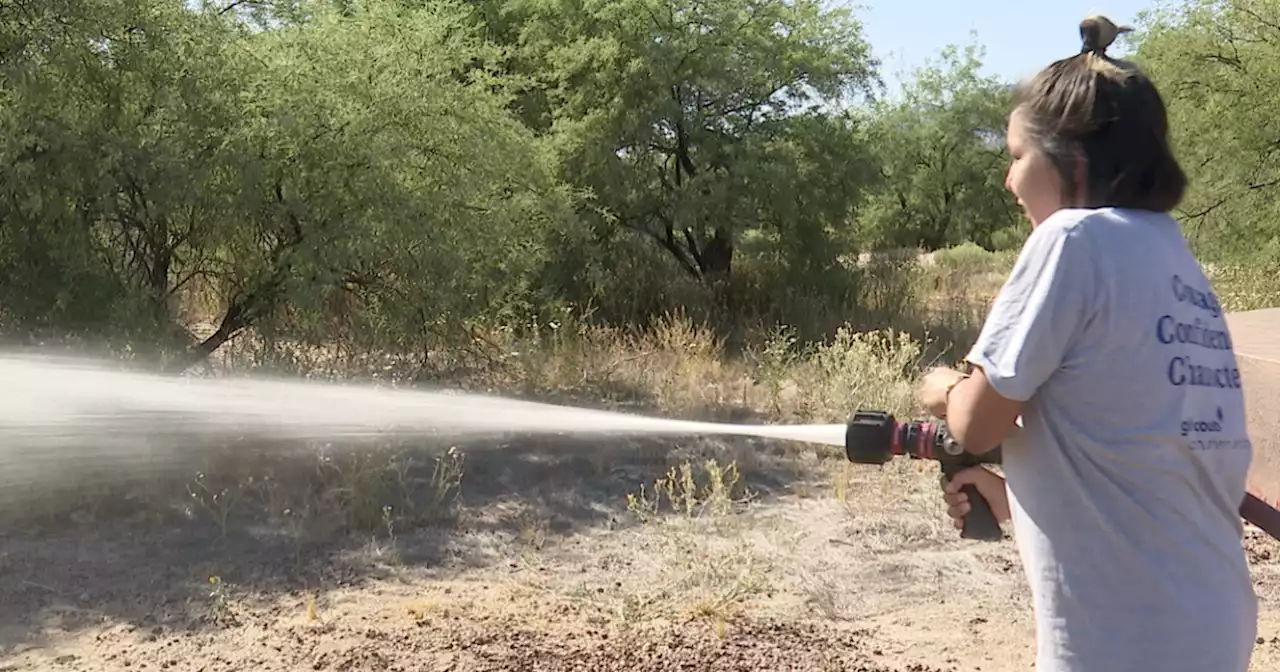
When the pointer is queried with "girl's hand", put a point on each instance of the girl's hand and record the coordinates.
(989, 485)
(933, 389)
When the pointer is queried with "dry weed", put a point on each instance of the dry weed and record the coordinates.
(718, 494)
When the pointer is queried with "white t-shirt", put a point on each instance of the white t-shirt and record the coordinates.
(1126, 480)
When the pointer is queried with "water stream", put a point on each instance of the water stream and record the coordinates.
(62, 415)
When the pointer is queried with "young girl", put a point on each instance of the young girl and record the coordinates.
(1126, 478)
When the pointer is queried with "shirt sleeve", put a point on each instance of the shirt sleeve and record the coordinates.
(1041, 310)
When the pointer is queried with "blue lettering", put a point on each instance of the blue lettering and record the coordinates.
(1169, 330)
(1177, 371)
(1183, 371)
(1185, 293)
(1190, 426)
(1163, 328)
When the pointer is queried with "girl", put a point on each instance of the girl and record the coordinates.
(1125, 481)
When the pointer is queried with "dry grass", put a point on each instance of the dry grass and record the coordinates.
(1246, 287)
(411, 555)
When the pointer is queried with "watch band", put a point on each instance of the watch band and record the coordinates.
(952, 386)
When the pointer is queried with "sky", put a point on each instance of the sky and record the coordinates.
(1019, 38)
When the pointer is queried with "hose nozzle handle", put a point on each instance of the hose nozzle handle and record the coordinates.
(980, 523)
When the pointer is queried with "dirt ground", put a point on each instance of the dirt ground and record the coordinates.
(828, 567)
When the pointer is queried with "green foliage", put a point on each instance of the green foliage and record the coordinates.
(692, 124)
(403, 176)
(101, 165)
(358, 174)
(940, 149)
(1218, 66)
(965, 257)
(423, 203)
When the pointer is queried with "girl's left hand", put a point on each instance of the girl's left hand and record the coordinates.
(933, 389)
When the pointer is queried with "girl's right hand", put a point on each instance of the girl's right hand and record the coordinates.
(989, 485)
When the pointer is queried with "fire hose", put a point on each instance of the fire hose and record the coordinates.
(876, 437)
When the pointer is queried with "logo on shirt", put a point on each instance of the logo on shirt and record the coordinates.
(1193, 426)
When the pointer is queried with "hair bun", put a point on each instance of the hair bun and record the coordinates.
(1097, 32)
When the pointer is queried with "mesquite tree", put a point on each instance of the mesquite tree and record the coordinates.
(366, 160)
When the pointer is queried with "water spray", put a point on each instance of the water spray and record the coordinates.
(59, 415)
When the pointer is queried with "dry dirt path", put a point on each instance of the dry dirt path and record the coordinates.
(831, 568)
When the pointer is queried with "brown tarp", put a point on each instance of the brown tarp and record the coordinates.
(1254, 335)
